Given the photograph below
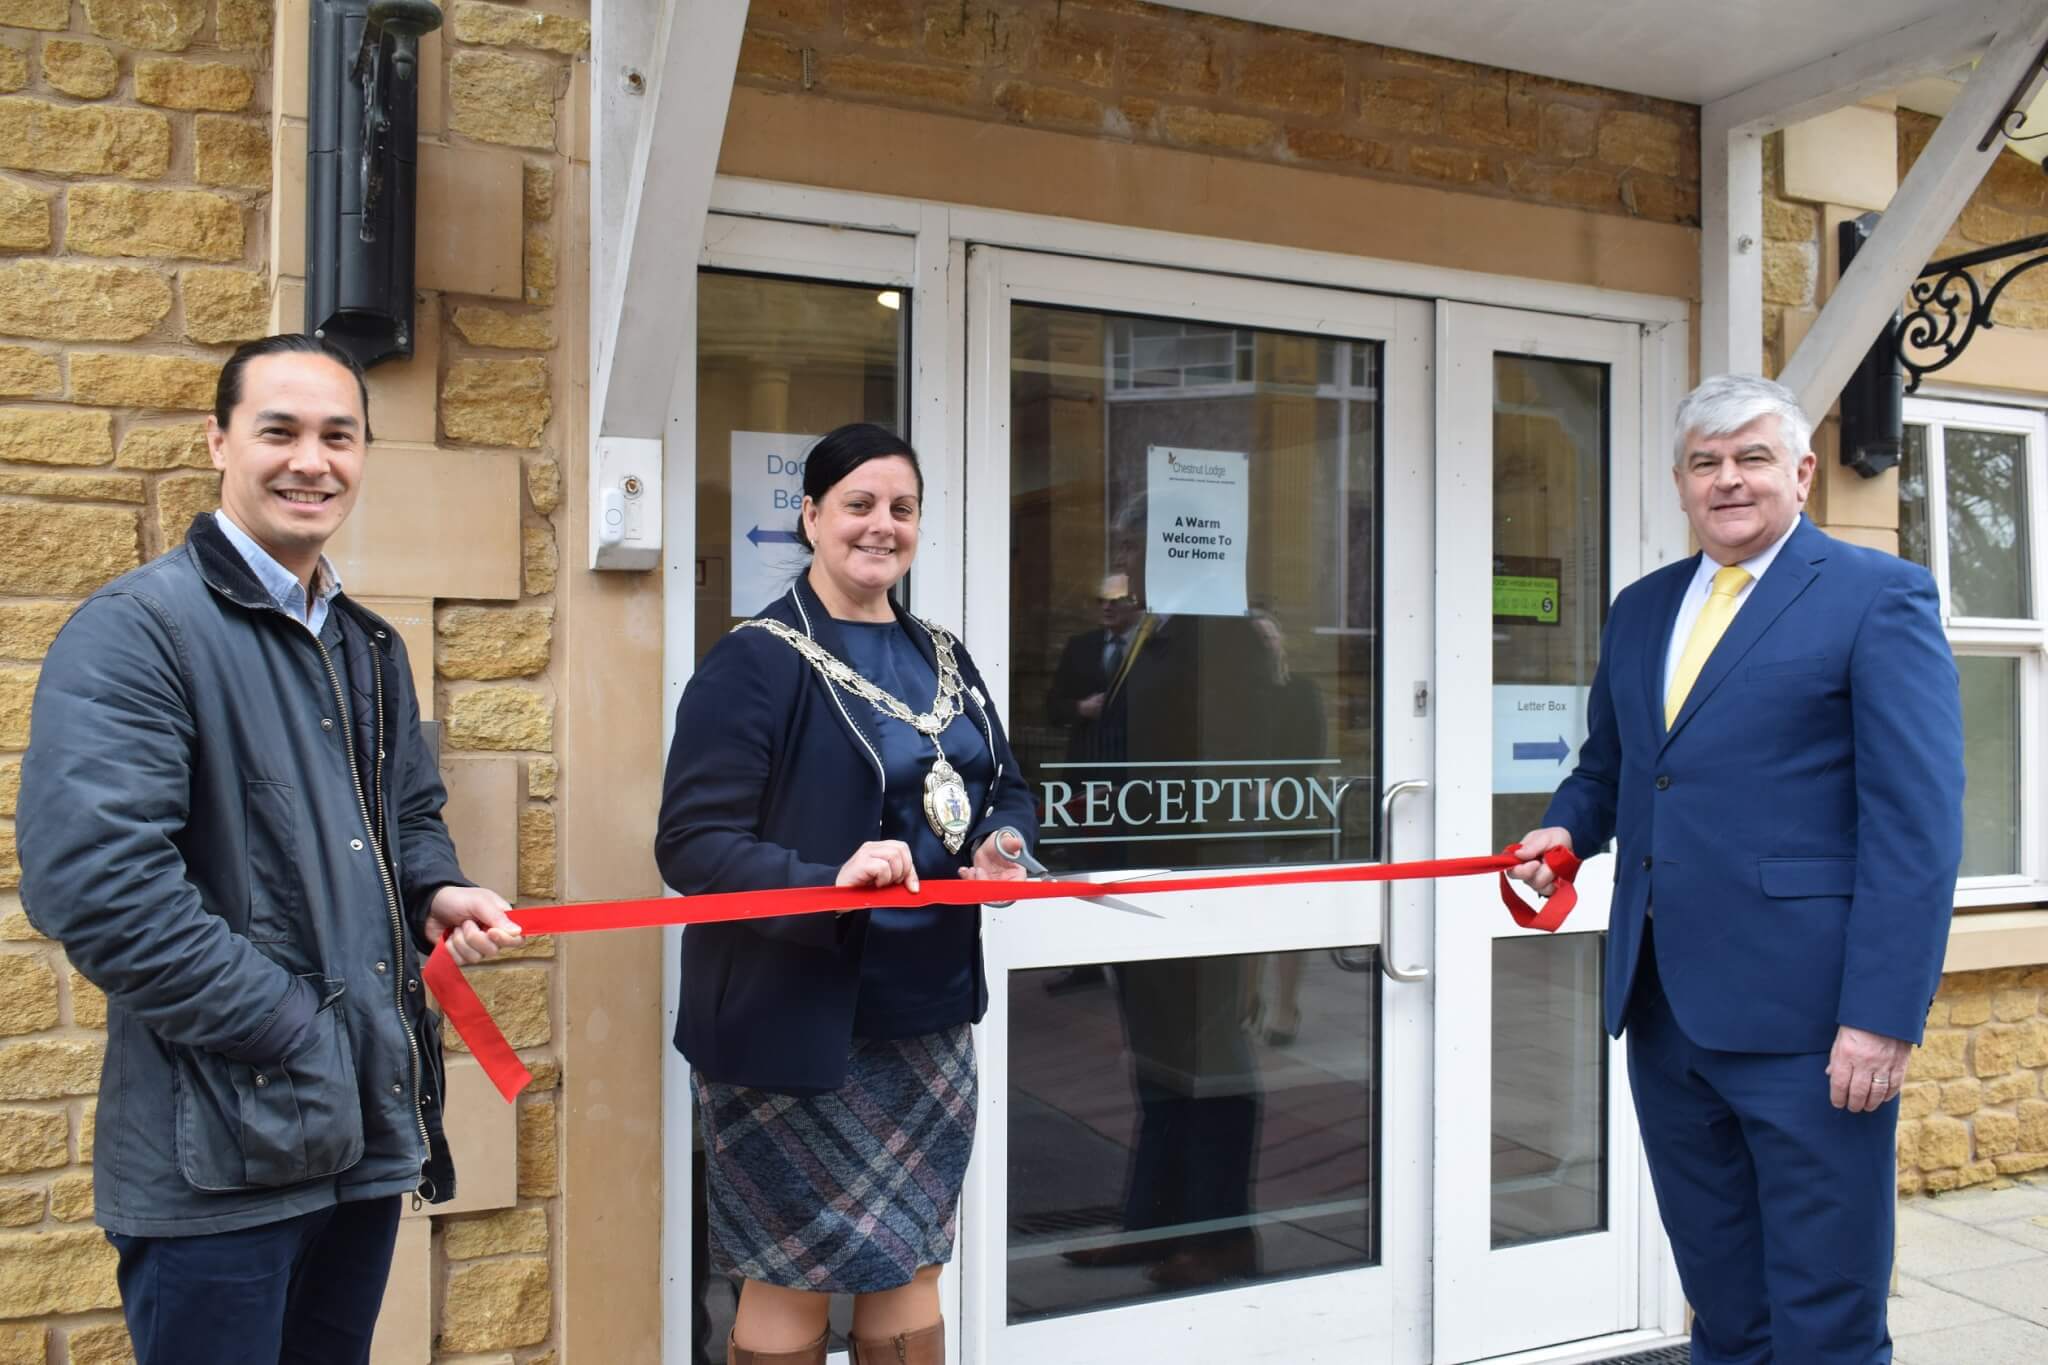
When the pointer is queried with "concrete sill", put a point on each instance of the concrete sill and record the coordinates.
(1998, 938)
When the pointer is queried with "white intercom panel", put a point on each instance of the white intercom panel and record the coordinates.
(625, 503)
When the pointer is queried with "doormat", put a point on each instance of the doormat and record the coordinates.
(1663, 1355)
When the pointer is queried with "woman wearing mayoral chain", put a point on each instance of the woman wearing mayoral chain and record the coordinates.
(835, 739)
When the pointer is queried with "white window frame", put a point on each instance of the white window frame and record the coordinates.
(2024, 640)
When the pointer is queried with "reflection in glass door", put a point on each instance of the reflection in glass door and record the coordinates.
(1190, 688)
(1551, 448)
(1191, 1131)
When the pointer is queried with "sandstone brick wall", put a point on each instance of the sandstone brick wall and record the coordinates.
(1792, 255)
(1973, 1108)
(1137, 72)
(134, 156)
(151, 216)
(2011, 203)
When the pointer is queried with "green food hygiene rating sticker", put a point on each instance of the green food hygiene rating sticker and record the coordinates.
(1519, 598)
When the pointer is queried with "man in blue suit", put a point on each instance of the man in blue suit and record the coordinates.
(1775, 738)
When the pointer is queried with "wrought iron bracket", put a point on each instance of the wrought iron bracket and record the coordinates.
(1950, 305)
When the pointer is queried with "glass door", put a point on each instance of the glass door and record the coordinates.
(1539, 491)
(1198, 553)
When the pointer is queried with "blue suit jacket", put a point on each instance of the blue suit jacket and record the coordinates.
(1799, 827)
(773, 779)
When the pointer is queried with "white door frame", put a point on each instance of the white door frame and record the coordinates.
(928, 256)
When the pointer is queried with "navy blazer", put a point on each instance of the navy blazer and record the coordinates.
(1799, 827)
(773, 779)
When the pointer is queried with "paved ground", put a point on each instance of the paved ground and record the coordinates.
(1973, 1278)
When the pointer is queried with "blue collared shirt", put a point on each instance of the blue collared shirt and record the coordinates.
(281, 583)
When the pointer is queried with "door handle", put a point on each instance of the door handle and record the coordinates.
(1393, 794)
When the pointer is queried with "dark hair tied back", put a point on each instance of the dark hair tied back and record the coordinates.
(844, 449)
(227, 394)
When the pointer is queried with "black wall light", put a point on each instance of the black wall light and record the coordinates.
(361, 172)
(1873, 401)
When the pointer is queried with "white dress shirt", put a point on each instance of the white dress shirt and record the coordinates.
(1702, 587)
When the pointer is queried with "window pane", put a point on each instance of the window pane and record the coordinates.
(1550, 594)
(1987, 522)
(1193, 589)
(1549, 1088)
(1549, 575)
(1188, 1124)
(1991, 757)
(1913, 537)
(779, 363)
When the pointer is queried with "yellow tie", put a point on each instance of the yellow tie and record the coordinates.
(1706, 633)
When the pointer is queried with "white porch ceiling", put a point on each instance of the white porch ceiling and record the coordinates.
(1691, 50)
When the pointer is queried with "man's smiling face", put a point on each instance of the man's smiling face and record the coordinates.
(1743, 490)
(291, 458)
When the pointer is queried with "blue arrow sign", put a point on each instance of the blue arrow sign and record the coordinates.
(1558, 750)
(761, 537)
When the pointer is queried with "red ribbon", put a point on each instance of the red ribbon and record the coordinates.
(473, 1021)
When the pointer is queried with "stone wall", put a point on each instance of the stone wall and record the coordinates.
(1130, 71)
(152, 190)
(1973, 1108)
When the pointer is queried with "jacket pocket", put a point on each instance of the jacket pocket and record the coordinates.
(276, 899)
(242, 1127)
(1793, 878)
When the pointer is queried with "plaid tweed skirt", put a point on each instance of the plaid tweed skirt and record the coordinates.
(848, 1192)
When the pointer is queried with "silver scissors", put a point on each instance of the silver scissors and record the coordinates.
(1023, 857)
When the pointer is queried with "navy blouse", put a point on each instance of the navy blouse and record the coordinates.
(917, 970)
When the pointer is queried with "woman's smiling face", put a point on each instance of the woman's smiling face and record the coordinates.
(863, 532)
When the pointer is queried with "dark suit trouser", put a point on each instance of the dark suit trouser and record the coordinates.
(1779, 1206)
(300, 1291)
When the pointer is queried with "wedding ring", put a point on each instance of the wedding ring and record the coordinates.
(1880, 1082)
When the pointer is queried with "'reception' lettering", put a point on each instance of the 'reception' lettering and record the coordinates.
(1178, 801)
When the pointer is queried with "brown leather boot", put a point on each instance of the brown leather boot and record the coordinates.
(925, 1346)
(813, 1354)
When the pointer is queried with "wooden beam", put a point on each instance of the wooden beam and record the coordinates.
(1731, 157)
(1921, 213)
(622, 38)
(638, 342)
(1731, 250)
(1932, 46)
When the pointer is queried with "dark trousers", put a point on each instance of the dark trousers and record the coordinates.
(1778, 1205)
(303, 1291)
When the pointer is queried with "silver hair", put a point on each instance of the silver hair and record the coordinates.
(1730, 402)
